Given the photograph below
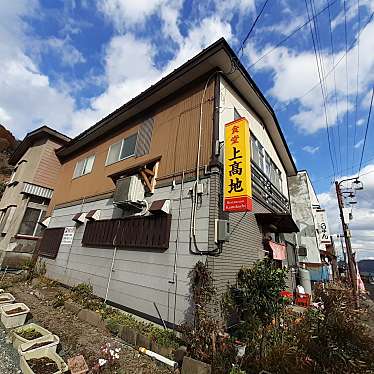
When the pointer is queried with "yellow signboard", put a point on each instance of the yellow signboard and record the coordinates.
(237, 167)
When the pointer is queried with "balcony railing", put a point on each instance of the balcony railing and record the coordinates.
(265, 190)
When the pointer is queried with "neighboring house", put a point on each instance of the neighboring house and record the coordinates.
(315, 250)
(147, 154)
(28, 193)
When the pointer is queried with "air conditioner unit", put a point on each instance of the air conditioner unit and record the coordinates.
(129, 191)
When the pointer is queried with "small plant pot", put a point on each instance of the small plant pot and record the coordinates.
(17, 339)
(77, 365)
(40, 353)
(49, 342)
(8, 296)
(14, 319)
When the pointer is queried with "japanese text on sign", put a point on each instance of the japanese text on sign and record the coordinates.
(68, 236)
(237, 167)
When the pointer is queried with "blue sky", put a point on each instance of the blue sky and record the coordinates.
(70, 63)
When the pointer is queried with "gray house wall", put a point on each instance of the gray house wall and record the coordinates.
(302, 212)
(140, 277)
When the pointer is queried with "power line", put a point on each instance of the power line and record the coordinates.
(285, 106)
(298, 28)
(357, 74)
(322, 90)
(336, 96)
(241, 49)
(324, 81)
(367, 162)
(346, 74)
(366, 131)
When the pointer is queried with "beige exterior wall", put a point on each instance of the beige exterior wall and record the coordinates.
(39, 165)
(230, 100)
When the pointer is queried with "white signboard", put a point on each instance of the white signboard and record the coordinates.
(68, 236)
(322, 227)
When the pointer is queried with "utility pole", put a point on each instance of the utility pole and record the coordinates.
(351, 265)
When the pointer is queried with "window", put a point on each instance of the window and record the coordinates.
(125, 148)
(236, 114)
(265, 163)
(29, 225)
(7, 219)
(84, 167)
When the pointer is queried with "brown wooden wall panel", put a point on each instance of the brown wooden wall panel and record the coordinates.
(151, 232)
(174, 138)
(50, 242)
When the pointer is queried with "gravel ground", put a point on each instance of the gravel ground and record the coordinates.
(76, 337)
(9, 359)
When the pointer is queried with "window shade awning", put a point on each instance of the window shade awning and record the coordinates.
(277, 222)
(35, 190)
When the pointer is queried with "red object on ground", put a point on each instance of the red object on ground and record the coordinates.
(302, 299)
(287, 294)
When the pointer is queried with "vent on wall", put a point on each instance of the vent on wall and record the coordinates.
(129, 190)
(143, 141)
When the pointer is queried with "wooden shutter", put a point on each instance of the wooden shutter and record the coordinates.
(151, 232)
(144, 138)
(50, 242)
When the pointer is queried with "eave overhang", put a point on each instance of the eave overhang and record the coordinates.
(277, 222)
(31, 137)
(217, 57)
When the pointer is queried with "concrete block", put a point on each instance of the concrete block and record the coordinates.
(143, 341)
(191, 366)
(161, 350)
(128, 334)
(72, 307)
(91, 317)
(179, 354)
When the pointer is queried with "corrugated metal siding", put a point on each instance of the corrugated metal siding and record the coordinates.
(32, 189)
(243, 249)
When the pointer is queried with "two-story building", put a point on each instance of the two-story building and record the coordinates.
(28, 193)
(139, 196)
(314, 246)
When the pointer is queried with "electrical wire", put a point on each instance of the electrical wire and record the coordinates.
(346, 77)
(285, 106)
(366, 131)
(335, 91)
(241, 49)
(298, 28)
(322, 90)
(324, 81)
(357, 75)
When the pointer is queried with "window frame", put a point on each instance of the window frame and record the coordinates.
(274, 174)
(122, 141)
(85, 161)
(35, 229)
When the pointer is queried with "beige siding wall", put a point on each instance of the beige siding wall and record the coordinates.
(230, 100)
(48, 168)
(243, 249)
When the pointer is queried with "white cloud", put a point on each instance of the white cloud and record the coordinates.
(127, 13)
(27, 98)
(363, 213)
(294, 73)
(128, 75)
(69, 55)
(310, 149)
